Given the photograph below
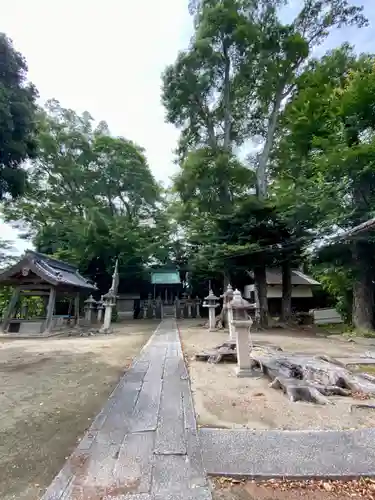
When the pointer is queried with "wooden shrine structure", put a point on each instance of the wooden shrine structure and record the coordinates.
(37, 274)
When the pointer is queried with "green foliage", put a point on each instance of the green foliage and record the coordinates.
(17, 122)
(325, 158)
(246, 77)
(91, 198)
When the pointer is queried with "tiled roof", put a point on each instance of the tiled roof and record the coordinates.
(49, 269)
(274, 277)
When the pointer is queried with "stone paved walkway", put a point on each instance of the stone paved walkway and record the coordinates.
(144, 444)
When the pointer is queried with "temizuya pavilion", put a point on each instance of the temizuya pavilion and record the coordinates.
(40, 275)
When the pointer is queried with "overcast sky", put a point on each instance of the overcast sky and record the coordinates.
(106, 57)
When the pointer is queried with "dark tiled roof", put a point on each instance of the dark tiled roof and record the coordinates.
(49, 269)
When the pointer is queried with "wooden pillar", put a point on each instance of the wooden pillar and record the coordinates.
(76, 309)
(11, 306)
(50, 308)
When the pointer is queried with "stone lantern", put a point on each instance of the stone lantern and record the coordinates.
(100, 307)
(211, 302)
(241, 323)
(227, 298)
(89, 308)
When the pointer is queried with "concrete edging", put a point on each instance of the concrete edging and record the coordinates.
(291, 454)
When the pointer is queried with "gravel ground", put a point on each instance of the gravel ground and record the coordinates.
(50, 390)
(223, 400)
(250, 490)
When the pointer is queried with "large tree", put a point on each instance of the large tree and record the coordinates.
(328, 148)
(17, 119)
(91, 198)
(230, 85)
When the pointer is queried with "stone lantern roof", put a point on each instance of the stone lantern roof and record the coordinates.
(90, 300)
(211, 296)
(239, 303)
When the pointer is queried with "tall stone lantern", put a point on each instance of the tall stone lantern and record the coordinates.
(89, 308)
(211, 302)
(241, 323)
(228, 297)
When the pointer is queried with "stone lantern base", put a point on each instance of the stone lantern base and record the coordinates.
(245, 372)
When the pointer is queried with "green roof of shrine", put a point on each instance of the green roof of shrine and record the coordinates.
(165, 277)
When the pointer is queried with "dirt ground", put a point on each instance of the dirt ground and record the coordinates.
(223, 400)
(50, 390)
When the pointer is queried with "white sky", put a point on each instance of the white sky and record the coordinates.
(107, 58)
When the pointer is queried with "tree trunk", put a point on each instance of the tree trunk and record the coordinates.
(223, 313)
(226, 98)
(363, 287)
(261, 286)
(363, 259)
(286, 301)
(263, 160)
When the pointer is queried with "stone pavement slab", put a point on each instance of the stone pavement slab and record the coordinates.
(143, 445)
(295, 454)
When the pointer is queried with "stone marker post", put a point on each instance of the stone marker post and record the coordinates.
(228, 297)
(183, 306)
(145, 306)
(89, 308)
(242, 323)
(197, 301)
(159, 308)
(150, 307)
(189, 303)
(177, 308)
(210, 302)
(100, 307)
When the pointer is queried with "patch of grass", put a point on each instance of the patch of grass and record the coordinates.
(360, 332)
(366, 368)
(334, 327)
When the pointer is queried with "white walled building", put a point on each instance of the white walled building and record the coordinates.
(302, 290)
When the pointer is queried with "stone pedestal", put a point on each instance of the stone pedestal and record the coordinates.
(159, 308)
(150, 308)
(100, 307)
(197, 307)
(144, 309)
(241, 323)
(232, 330)
(227, 299)
(211, 304)
(211, 317)
(109, 302)
(189, 304)
(177, 308)
(242, 330)
(107, 319)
